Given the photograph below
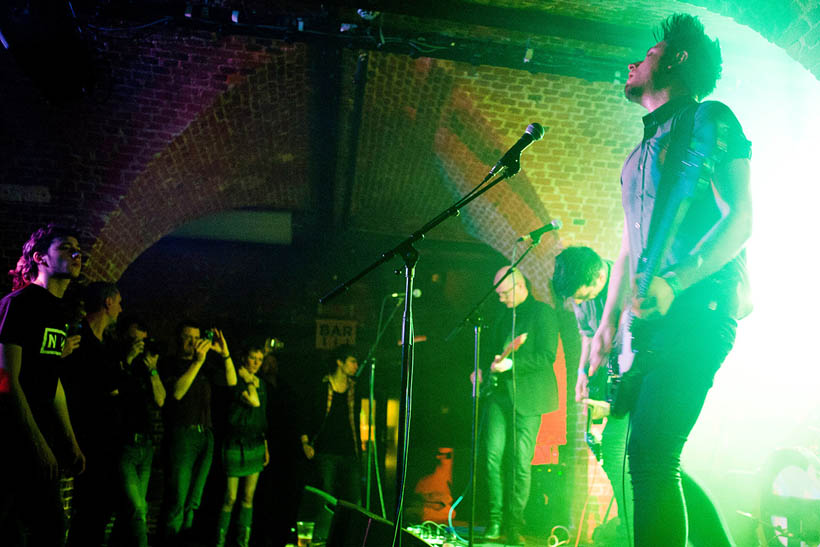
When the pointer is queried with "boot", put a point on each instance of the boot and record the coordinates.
(222, 528)
(243, 526)
(493, 531)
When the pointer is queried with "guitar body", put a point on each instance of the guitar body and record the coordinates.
(627, 367)
(491, 384)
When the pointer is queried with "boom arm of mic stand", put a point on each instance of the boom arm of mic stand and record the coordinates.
(399, 249)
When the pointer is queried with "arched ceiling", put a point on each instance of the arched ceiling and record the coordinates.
(438, 70)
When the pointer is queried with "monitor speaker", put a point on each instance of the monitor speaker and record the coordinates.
(352, 526)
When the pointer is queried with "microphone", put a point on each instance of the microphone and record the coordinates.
(535, 235)
(416, 294)
(511, 159)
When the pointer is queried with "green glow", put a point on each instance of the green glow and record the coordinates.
(767, 391)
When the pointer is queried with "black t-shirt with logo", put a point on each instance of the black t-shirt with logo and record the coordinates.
(35, 320)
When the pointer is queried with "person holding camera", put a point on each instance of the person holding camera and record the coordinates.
(189, 438)
(140, 393)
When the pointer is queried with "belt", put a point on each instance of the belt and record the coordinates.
(138, 438)
(199, 428)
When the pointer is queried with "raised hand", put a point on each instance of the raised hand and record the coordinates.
(219, 344)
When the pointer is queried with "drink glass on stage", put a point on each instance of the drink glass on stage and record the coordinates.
(304, 532)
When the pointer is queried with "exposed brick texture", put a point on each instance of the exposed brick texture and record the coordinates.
(187, 122)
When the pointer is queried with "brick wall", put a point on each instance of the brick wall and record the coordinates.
(191, 122)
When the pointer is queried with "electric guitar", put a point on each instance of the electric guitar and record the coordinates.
(492, 382)
(636, 357)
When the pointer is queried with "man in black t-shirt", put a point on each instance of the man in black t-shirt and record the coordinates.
(90, 376)
(35, 423)
(189, 438)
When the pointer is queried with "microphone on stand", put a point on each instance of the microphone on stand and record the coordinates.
(416, 294)
(535, 235)
(511, 160)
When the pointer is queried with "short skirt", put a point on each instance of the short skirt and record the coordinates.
(243, 458)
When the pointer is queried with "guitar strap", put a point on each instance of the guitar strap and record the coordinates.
(681, 165)
(680, 183)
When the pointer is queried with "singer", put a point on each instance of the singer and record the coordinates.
(689, 307)
(524, 388)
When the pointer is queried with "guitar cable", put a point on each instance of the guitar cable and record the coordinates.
(625, 509)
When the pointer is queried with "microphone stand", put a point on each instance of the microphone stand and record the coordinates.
(410, 257)
(372, 458)
(474, 318)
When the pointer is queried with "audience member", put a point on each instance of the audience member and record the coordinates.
(90, 377)
(279, 490)
(189, 439)
(140, 391)
(35, 419)
(331, 434)
(244, 447)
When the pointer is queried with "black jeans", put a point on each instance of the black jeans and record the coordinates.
(31, 511)
(689, 348)
(613, 452)
(340, 476)
(189, 453)
(500, 431)
(94, 498)
(134, 474)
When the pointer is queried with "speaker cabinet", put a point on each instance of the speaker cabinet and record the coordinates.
(352, 526)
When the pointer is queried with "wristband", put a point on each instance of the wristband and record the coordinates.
(154, 372)
(226, 357)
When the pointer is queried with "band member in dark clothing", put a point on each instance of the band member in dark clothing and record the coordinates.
(583, 277)
(525, 387)
(688, 309)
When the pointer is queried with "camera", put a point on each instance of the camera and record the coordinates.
(152, 346)
(275, 344)
(209, 335)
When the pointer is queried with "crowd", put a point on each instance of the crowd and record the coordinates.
(88, 394)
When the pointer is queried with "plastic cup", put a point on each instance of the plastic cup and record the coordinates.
(304, 533)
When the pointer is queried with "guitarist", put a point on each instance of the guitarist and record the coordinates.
(582, 277)
(526, 388)
(691, 304)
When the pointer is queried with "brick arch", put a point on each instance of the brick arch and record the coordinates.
(243, 145)
(248, 130)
